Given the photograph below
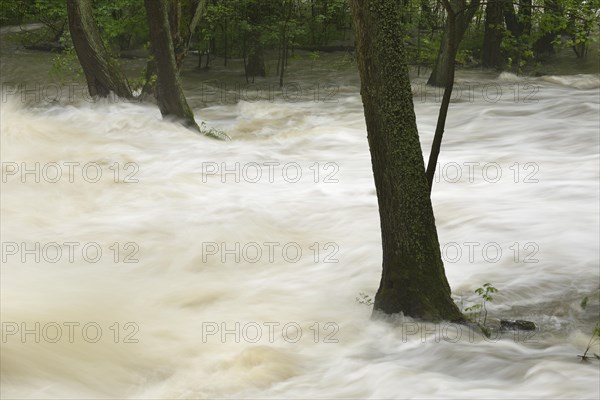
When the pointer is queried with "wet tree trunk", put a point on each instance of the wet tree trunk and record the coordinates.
(413, 279)
(491, 57)
(170, 97)
(464, 15)
(101, 72)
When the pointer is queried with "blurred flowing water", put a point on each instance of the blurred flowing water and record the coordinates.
(171, 308)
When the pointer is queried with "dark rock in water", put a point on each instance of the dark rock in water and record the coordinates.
(517, 325)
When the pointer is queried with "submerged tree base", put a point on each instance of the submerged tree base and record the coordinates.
(413, 280)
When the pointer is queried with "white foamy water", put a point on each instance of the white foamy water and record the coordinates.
(527, 193)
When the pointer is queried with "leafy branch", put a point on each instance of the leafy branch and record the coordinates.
(475, 311)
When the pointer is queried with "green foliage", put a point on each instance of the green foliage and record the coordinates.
(476, 310)
(580, 20)
(213, 132)
(51, 13)
(325, 19)
(594, 339)
(518, 50)
(10, 13)
(65, 66)
(365, 299)
(226, 25)
(122, 23)
(464, 57)
(313, 56)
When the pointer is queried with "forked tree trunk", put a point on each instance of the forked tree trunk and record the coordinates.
(464, 15)
(170, 97)
(413, 280)
(436, 145)
(101, 72)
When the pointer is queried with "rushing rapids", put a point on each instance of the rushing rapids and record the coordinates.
(143, 261)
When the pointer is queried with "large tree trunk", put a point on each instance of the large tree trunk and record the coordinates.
(170, 97)
(464, 15)
(413, 279)
(491, 56)
(101, 72)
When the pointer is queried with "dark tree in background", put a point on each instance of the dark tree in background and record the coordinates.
(413, 279)
(255, 64)
(551, 19)
(492, 37)
(101, 71)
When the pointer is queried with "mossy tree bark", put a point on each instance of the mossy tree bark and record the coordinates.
(101, 72)
(170, 96)
(413, 280)
(464, 15)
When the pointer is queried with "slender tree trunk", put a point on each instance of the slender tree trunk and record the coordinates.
(101, 72)
(492, 37)
(279, 48)
(170, 97)
(245, 58)
(207, 64)
(225, 44)
(413, 280)
(284, 59)
(464, 15)
(179, 47)
(449, 85)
